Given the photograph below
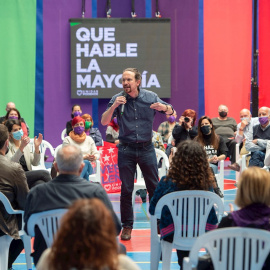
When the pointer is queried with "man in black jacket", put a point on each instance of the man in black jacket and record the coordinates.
(67, 187)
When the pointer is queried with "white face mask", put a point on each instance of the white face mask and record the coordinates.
(245, 118)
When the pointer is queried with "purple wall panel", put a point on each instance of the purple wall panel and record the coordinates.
(184, 49)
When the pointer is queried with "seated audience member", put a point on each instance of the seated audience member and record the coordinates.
(165, 128)
(213, 144)
(91, 131)
(87, 145)
(67, 187)
(112, 131)
(189, 170)
(186, 129)
(244, 132)
(157, 141)
(20, 152)
(253, 199)
(261, 133)
(14, 186)
(75, 111)
(225, 127)
(10, 105)
(88, 226)
(15, 114)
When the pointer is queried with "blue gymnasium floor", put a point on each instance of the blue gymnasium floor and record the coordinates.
(138, 248)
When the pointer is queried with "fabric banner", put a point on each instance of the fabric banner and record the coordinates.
(109, 168)
(264, 53)
(227, 55)
(17, 54)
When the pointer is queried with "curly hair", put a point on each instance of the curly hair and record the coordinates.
(214, 136)
(86, 238)
(86, 116)
(189, 168)
(190, 113)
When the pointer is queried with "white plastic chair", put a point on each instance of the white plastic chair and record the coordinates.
(220, 177)
(190, 210)
(140, 184)
(6, 239)
(43, 147)
(48, 223)
(56, 149)
(63, 134)
(96, 177)
(232, 248)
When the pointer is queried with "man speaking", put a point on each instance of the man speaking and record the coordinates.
(135, 109)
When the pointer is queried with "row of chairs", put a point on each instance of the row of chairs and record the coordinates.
(45, 145)
(229, 248)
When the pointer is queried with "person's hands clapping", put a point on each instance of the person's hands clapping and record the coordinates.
(213, 159)
(37, 142)
(24, 142)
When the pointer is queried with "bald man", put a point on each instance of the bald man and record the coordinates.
(244, 132)
(9, 106)
(261, 134)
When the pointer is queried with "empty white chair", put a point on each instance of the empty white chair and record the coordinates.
(48, 223)
(162, 171)
(43, 147)
(220, 177)
(195, 205)
(232, 248)
(6, 239)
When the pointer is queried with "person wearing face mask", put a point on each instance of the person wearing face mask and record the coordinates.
(226, 127)
(165, 128)
(13, 113)
(244, 133)
(213, 144)
(75, 111)
(20, 152)
(261, 134)
(91, 131)
(112, 132)
(185, 129)
(87, 145)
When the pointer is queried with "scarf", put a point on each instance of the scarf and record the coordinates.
(256, 215)
(76, 137)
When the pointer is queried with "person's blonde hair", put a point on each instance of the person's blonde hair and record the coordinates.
(253, 187)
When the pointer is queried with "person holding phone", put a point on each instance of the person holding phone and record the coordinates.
(185, 129)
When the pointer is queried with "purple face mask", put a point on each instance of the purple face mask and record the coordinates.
(171, 119)
(263, 120)
(78, 130)
(115, 121)
(13, 117)
(77, 113)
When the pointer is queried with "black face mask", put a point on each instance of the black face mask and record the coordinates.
(205, 129)
(223, 114)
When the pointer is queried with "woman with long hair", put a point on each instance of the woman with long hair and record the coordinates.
(213, 144)
(253, 199)
(189, 170)
(15, 114)
(20, 152)
(86, 240)
(91, 131)
(185, 129)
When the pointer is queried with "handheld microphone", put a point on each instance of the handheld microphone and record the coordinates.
(123, 105)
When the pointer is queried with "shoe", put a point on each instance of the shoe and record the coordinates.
(234, 167)
(126, 233)
(143, 195)
(218, 192)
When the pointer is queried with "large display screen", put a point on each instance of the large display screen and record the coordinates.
(102, 48)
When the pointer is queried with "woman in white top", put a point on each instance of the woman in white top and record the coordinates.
(87, 145)
(20, 152)
(86, 240)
